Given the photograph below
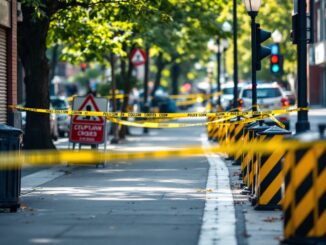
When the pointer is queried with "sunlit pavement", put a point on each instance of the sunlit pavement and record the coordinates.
(134, 202)
(171, 201)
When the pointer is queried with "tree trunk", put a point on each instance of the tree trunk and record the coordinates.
(175, 72)
(160, 66)
(32, 50)
(126, 77)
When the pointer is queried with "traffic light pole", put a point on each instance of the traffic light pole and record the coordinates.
(253, 60)
(302, 124)
(235, 55)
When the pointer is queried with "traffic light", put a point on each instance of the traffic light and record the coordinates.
(276, 60)
(262, 51)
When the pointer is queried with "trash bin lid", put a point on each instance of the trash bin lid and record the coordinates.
(275, 130)
(252, 124)
(8, 130)
(259, 128)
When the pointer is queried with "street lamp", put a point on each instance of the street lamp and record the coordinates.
(277, 36)
(252, 7)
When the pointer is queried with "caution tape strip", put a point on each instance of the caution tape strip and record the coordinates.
(150, 124)
(159, 115)
(156, 123)
(12, 160)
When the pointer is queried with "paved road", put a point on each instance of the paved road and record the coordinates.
(134, 202)
(171, 201)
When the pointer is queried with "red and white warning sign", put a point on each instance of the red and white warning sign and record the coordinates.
(88, 129)
(138, 57)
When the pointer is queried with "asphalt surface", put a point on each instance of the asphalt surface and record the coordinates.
(134, 202)
(140, 202)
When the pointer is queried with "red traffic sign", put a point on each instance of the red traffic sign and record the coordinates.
(88, 129)
(138, 57)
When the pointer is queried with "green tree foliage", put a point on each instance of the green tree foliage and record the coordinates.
(91, 30)
(273, 15)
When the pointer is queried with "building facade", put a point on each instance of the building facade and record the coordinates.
(317, 67)
(8, 60)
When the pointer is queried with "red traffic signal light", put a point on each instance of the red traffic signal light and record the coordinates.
(276, 65)
(274, 59)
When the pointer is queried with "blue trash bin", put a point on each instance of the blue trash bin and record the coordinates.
(10, 180)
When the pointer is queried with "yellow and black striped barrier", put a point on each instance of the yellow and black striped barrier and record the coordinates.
(210, 127)
(304, 203)
(235, 138)
(253, 161)
(246, 156)
(268, 194)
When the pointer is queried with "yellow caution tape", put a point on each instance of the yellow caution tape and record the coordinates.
(157, 123)
(280, 124)
(12, 160)
(160, 115)
(151, 124)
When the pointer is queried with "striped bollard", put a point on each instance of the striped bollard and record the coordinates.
(268, 193)
(245, 157)
(253, 163)
(304, 203)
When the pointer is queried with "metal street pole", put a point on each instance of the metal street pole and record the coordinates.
(218, 78)
(235, 55)
(146, 105)
(302, 124)
(253, 60)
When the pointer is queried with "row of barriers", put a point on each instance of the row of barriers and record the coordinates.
(291, 180)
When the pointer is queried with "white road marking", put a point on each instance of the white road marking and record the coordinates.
(219, 223)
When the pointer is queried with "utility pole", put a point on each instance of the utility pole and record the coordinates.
(302, 124)
(235, 55)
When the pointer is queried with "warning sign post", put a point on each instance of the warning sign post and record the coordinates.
(88, 129)
(138, 57)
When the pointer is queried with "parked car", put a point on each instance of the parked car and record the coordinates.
(63, 120)
(164, 104)
(291, 97)
(227, 95)
(270, 96)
